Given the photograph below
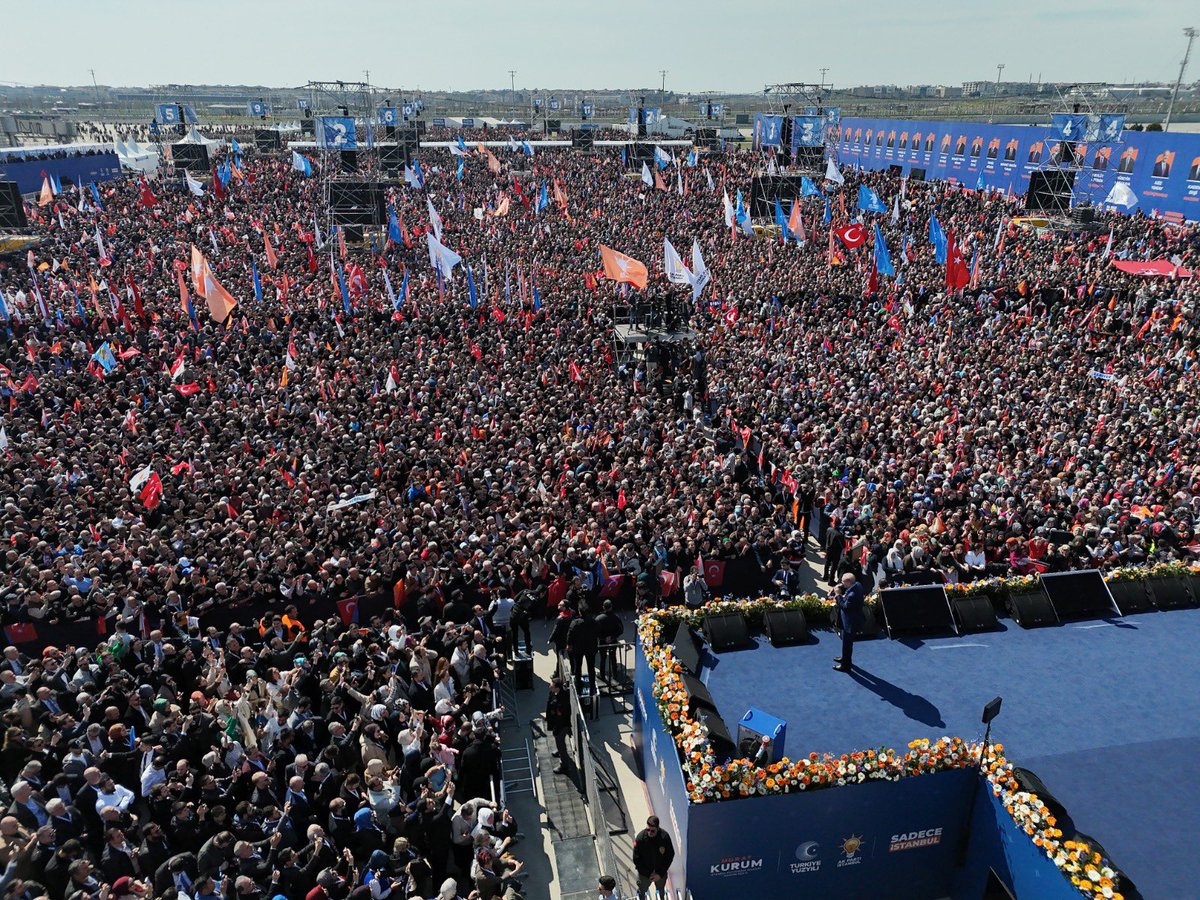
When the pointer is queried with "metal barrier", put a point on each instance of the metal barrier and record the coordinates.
(585, 764)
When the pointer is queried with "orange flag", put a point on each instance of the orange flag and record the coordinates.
(271, 261)
(199, 264)
(220, 301)
(46, 197)
(659, 183)
(620, 267)
(183, 297)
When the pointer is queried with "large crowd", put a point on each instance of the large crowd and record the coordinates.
(327, 448)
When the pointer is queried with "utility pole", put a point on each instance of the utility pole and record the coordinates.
(512, 81)
(1191, 36)
(823, 70)
(662, 97)
(96, 87)
(996, 98)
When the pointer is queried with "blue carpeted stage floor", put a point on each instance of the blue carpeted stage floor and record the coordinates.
(1106, 713)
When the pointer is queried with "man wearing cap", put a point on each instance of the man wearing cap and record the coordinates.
(653, 853)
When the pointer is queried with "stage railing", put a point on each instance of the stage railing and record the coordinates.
(585, 764)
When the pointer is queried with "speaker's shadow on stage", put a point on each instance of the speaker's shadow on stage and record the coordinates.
(912, 705)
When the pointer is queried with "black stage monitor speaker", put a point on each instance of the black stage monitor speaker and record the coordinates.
(1131, 596)
(12, 209)
(394, 157)
(308, 127)
(193, 157)
(1078, 595)
(267, 139)
(582, 140)
(553, 124)
(1031, 609)
(722, 744)
(974, 614)
(909, 610)
(915, 174)
(785, 626)
(698, 695)
(348, 161)
(1050, 191)
(1171, 593)
(357, 203)
(685, 649)
(765, 190)
(726, 632)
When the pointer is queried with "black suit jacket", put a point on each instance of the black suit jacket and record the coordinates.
(164, 880)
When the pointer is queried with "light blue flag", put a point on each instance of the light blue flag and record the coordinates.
(257, 282)
(403, 289)
(4, 317)
(461, 145)
(691, 158)
(624, 156)
(95, 195)
(419, 173)
(937, 237)
(459, 173)
(979, 182)
(527, 148)
(883, 259)
(868, 201)
(472, 297)
(300, 163)
(807, 188)
(782, 222)
(537, 298)
(105, 357)
(543, 199)
(662, 158)
(237, 148)
(828, 213)
(391, 293)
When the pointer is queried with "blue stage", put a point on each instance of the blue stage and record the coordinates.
(1107, 714)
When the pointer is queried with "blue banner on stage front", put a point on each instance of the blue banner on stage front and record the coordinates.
(1161, 168)
(336, 133)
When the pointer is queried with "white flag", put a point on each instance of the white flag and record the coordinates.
(700, 273)
(708, 175)
(895, 210)
(728, 211)
(1108, 247)
(647, 178)
(1121, 195)
(676, 271)
(391, 387)
(100, 244)
(442, 257)
(140, 478)
(832, 173)
(194, 186)
(434, 219)
(3, 439)
(317, 233)
(679, 181)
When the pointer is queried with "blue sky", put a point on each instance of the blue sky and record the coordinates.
(704, 44)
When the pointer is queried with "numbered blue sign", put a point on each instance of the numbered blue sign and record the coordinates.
(167, 114)
(808, 131)
(189, 115)
(336, 133)
(468, 123)
(554, 103)
(408, 110)
(301, 103)
(588, 109)
(537, 102)
(256, 108)
(388, 115)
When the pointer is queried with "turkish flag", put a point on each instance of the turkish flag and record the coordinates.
(957, 274)
(620, 267)
(852, 235)
(611, 585)
(152, 491)
(188, 389)
(348, 610)
(714, 573)
(669, 583)
(556, 592)
(20, 632)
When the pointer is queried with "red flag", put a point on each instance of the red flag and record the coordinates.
(610, 586)
(218, 188)
(147, 198)
(852, 235)
(152, 491)
(669, 583)
(957, 274)
(188, 389)
(137, 297)
(271, 259)
(20, 632)
(348, 610)
(714, 573)
(621, 501)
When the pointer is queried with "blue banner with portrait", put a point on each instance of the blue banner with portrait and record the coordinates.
(768, 130)
(1161, 168)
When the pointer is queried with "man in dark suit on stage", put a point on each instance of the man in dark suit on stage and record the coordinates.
(852, 611)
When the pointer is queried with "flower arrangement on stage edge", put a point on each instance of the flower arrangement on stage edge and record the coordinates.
(709, 782)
